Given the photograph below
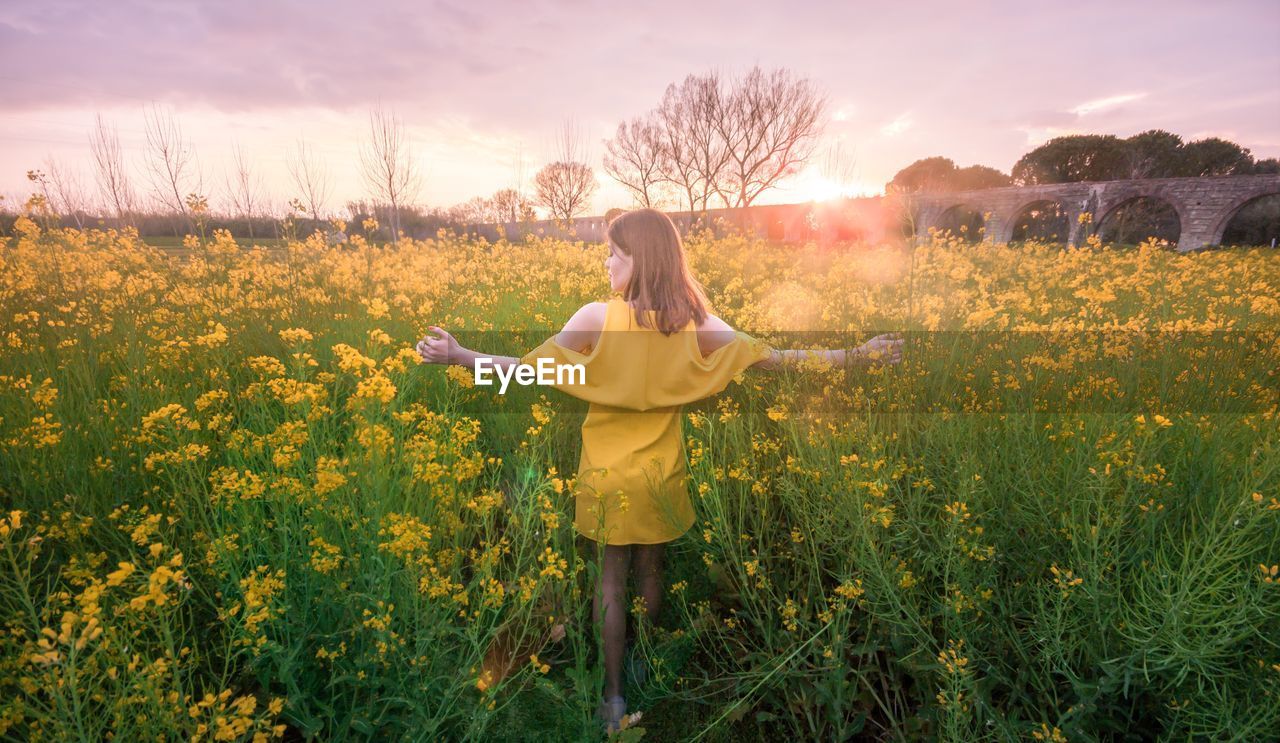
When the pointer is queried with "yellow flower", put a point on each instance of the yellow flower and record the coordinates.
(352, 361)
(1064, 579)
(295, 336)
(1045, 733)
(216, 336)
(375, 388)
(267, 366)
(116, 577)
(850, 590)
(460, 376)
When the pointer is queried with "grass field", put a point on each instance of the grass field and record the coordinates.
(236, 504)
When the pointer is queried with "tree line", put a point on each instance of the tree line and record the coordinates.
(1090, 157)
(710, 138)
(710, 141)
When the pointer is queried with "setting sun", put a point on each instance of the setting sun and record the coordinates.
(812, 185)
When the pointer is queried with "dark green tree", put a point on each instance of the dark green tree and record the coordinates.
(976, 177)
(1154, 153)
(1215, 156)
(941, 174)
(928, 174)
(1080, 157)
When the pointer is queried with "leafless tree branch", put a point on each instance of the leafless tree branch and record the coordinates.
(170, 163)
(388, 165)
(770, 125)
(310, 178)
(244, 189)
(110, 173)
(67, 191)
(565, 189)
(634, 158)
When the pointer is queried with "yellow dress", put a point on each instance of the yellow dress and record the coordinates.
(632, 481)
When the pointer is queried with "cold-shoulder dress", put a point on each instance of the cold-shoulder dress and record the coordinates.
(632, 480)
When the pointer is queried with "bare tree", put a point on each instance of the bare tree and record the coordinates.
(109, 170)
(509, 205)
(244, 189)
(311, 179)
(675, 162)
(706, 102)
(770, 126)
(571, 143)
(565, 189)
(67, 192)
(732, 140)
(634, 158)
(478, 210)
(388, 165)
(839, 167)
(566, 186)
(174, 174)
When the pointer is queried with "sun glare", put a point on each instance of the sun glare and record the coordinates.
(811, 185)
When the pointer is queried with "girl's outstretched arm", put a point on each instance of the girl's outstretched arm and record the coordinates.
(580, 332)
(446, 350)
(884, 349)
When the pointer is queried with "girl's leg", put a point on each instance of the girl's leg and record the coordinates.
(647, 563)
(610, 599)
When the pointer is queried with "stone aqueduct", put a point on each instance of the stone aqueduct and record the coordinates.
(1204, 206)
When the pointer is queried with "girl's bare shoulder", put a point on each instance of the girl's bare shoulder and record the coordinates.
(584, 328)
(713, 333)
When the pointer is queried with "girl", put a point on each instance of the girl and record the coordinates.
(645, 354)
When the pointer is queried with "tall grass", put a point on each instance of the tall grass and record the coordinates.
(238, 506)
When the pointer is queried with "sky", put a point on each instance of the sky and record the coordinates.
(484, 89)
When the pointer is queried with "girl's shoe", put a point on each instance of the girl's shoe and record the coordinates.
(610, 714)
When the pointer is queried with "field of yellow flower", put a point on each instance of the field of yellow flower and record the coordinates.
(235, 506)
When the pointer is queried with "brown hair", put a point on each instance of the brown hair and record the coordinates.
(660, 277)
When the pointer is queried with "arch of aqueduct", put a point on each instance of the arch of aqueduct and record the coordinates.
(1204, 207)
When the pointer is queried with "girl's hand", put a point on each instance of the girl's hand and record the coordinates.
(884, 349)
(438, 350)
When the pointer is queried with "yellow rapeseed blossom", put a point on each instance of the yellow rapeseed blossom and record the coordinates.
(352, 361)
(10, 524)
(376, 388)
(1045, 733)
(295, 336)
(1064, 579)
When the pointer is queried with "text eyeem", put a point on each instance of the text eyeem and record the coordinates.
(545, 371)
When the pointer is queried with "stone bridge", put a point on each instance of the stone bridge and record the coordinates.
(1204, 205)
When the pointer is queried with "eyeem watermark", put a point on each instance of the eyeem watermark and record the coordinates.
(545, 371)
